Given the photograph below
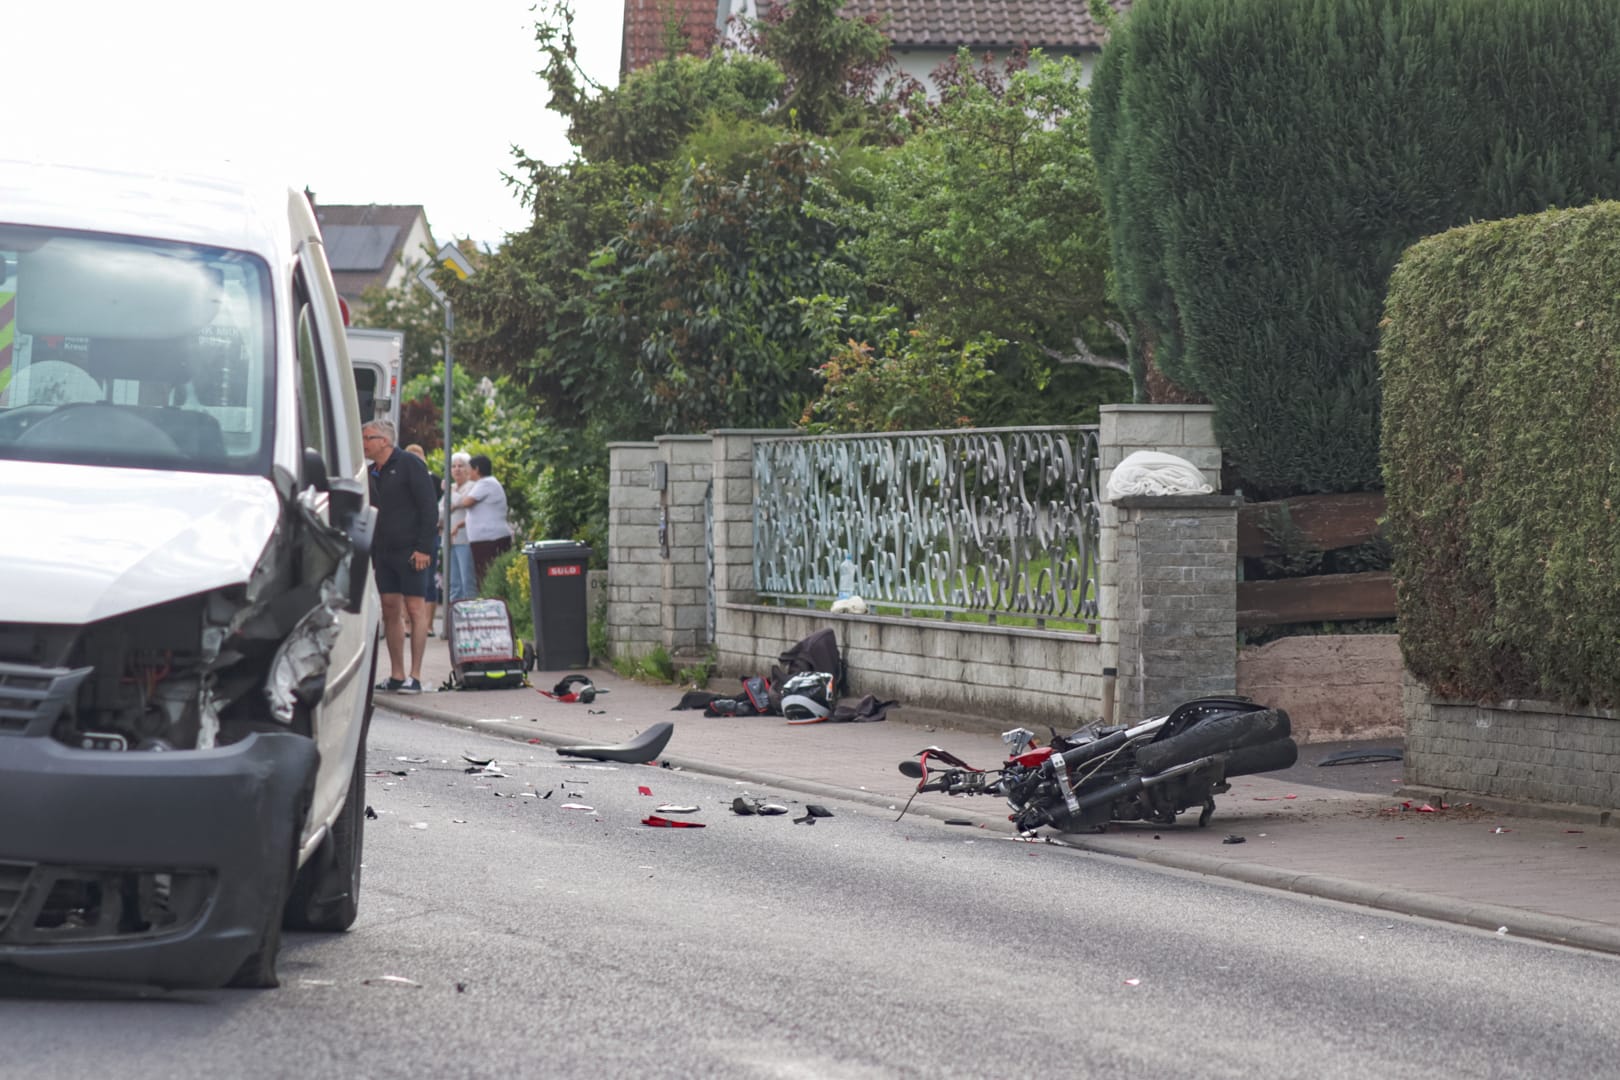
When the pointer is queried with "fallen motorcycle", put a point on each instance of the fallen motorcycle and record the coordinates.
(1151, 772)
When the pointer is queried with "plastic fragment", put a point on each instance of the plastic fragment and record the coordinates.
(674, 808)
(420, 825)
(671, 823)
(577, 806)
(392, 980)
(472, 759)
(371, 815)
(412, 760)
(458, 821)
(1233, 838)
(817, 810)
(1499, 829)
(1501, 931)
(1133, 982)
(643, 789)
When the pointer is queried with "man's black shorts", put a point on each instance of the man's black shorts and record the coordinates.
(395, 575)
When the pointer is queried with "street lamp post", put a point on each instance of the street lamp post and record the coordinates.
(450, 257)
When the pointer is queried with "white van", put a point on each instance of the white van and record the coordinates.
(187, 622)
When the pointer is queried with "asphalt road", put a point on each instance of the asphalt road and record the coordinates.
(503, 934)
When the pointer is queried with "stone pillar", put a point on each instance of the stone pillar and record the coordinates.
(1187, 431)
(635, 574)
(684, 605)
(733, 471)
(1176, 600)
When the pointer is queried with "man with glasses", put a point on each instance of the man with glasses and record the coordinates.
(401, 549)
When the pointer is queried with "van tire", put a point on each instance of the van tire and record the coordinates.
(326, 895)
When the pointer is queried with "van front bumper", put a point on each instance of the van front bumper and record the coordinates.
(155, 868)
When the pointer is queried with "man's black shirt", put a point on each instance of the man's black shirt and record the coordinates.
(407, 512)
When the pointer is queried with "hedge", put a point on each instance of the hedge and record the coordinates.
(1501, 445)
(1265, 162)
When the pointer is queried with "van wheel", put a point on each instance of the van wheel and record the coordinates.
(327, 894)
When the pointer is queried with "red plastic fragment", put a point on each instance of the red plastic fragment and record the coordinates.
(643, 789)
(670, 823)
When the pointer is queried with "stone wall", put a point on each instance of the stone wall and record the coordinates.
(1333, 686)
(1176, 558)
(1030, 677)
(658, 594)
(683, 554)
(635, 566)
(1530, 750)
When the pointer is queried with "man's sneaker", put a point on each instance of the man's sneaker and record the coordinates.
(411, 686)
(392, 685)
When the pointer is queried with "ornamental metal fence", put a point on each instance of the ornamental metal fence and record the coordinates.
(989, 524)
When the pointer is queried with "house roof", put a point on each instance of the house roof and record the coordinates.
(364, 243)
(644, 20)
(951, 24)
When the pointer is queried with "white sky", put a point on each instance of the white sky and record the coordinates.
(386, 101)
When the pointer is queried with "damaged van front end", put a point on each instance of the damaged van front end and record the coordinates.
(158, 757)
(187, 629)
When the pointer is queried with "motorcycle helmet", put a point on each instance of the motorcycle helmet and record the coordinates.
(807, 696)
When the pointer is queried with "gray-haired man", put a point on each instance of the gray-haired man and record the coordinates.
(401, 549)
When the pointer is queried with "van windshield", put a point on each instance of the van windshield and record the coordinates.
(135, 353)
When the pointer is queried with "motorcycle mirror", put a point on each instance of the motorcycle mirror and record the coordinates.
(912, 769)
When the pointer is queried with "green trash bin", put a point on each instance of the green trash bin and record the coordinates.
(559, 602)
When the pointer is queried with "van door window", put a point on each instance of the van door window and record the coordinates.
(314, 407)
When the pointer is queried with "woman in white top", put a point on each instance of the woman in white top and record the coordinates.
(463, 586)
(487, 531)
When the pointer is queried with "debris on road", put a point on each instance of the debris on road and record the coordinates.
(1233, 838)
(392, 980)
(671, 823)
(1362, 757)
(641, 749)
(672, 808)
(371, 815)
(577, 806)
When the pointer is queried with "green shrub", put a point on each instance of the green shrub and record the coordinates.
(1501, 440)
(1265, 162)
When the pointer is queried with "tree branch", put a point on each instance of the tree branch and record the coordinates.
(1082, 354)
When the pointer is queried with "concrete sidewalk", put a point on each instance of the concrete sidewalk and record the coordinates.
(1541, 872)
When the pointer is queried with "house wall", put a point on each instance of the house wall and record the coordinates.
(416, 238)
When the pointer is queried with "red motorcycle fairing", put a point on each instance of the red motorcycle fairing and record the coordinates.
(1031, 759)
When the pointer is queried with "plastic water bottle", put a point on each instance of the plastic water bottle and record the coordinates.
(846, 578)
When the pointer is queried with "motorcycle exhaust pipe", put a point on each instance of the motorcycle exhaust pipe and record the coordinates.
(1124, 789)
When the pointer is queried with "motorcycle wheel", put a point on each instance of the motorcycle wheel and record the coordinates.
(1213, 736)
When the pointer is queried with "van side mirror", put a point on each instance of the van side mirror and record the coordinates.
(315, 474)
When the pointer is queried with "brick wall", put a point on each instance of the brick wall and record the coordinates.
(1533, 750)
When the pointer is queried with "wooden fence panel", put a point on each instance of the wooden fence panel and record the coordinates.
(1323, 598)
